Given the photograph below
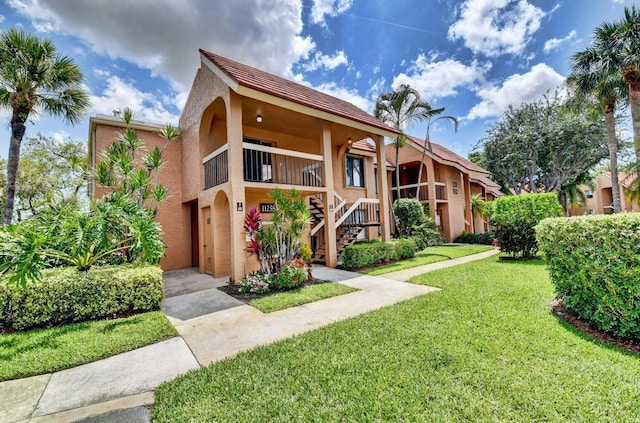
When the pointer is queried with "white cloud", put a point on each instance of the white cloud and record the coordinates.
(146, 106)
(495, 27)
(437, 79)
(346, 94)
(322, 8)
(555, 43)
(515, 90)
(260, 33)
(2, 18)
(324, 61)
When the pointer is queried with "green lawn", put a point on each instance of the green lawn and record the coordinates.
(485, 348)
(41, 351)
(304, 295)
(430, 255)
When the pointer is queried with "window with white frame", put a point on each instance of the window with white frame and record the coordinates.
(354, 171)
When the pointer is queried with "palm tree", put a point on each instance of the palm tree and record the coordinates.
(624, 49)
(401, 109)
(589, 81)
(615, 50)
(427, 145)
(572, 195)
(34, 79)
(477, 205)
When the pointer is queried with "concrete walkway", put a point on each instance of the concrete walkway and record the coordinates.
(119, 388)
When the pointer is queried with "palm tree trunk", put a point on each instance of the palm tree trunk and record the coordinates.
(398, 168)
(17, 133)
(612, 143)
(633, 79)
(424, 153)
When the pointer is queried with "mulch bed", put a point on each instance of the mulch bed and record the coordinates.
(246, 298)
(561, 311)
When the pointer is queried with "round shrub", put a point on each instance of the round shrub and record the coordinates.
(594, 263)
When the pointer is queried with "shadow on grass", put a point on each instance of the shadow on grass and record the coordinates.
(434, 255)
(538, 261)
(591, 338)
(19, 342)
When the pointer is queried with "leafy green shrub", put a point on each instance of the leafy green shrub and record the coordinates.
(409, 213)
(403, 248)
(412, 222)
(426, 235)
(65, 295)
(467, 238)
(372, 253)
(291, 275)
(364, 254)
(515, 217)
(594, 263)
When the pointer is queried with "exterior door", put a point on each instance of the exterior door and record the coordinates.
(208, 241)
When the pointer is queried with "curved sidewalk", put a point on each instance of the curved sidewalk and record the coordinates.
(116, 388)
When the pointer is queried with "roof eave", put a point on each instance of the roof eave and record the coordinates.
(292, 105)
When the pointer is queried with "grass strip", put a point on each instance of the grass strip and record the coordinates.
(429, 255)
(304, 295)
(485, 348)
(48, 350)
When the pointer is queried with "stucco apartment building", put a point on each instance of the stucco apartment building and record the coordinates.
(245, 132)
(600, 199)
(447, 183)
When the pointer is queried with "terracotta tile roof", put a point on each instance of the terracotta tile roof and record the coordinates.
(276, 86)
(489, 185)
(365, 145)
(448, 155)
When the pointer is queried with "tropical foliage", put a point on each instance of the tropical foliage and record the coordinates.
(543, 145)
(110, 232)
(35, 79)
(126, 168)
(401, 109)
(280, 241)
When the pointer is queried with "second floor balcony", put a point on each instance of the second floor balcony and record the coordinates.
(265, 164)
(410, 190)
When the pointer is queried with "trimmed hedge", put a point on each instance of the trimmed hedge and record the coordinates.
(514, 218)
(66, 295)
(365, 254)
(467, 238)
(594, 263)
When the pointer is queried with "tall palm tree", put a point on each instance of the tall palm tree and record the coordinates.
(589, 81)
(34, 78)
(428, 145)
(624, 46)
(615, 50)
(401, 109)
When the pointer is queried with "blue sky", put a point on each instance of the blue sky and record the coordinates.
(474, 57)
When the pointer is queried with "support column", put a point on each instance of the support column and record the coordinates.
(331, 249)
(468, 214)
(383, 189)
(236, 187)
